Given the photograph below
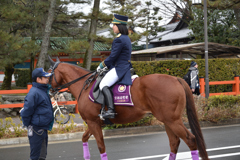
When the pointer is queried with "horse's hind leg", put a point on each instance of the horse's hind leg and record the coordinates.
(181, 131)
(85, 137)
(174, 143)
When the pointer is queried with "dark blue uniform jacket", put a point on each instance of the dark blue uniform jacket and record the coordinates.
(38, 109)
(120, 58)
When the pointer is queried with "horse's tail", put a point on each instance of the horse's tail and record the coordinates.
(193, 120)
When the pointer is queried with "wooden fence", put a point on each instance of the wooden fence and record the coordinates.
(235, 87)
(29, 86)
(235, 91)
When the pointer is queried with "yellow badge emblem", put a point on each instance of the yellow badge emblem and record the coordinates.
(121, 88)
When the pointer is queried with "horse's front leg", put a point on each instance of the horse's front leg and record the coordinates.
(96, 130)
(85, 137)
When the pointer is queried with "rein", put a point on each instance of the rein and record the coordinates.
(72, 82)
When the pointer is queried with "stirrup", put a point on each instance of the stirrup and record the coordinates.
(101, 117)
(111, 115)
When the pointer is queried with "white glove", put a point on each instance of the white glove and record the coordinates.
(98, 69)
(20, 110)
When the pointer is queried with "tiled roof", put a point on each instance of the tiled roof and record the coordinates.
(63, 41)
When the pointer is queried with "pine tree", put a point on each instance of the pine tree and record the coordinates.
(14, 49)
(150, 21)
(27, 18)
(227, 4)
(221, 26)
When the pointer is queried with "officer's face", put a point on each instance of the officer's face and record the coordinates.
(115, 28)
(42, 80)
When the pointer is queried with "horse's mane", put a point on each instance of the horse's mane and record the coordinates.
(77, 66)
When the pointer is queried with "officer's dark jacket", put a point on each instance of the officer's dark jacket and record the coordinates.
(120, 58)
(37, 109)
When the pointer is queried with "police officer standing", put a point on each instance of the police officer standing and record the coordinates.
(37, 114)
(118, 63)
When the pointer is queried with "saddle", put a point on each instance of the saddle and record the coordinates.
(97, 94)
(121, 93)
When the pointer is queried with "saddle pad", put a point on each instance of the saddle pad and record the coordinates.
(121, 94)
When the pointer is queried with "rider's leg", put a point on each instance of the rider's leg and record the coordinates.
(110, 113)
(109, 79)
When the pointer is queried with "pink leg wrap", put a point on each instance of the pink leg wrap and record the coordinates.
(195, 155)
(104, 156)
(86, 153)
(172, 156)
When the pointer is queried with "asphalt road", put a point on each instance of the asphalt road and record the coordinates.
(222, 142)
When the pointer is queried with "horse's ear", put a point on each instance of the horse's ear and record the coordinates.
(51, 61)
(57, 60)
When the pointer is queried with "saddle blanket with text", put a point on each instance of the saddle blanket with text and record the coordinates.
(121, 94)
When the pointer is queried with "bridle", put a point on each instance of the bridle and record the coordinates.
(60, 87)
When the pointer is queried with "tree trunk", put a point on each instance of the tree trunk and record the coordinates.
(91, 35)
(46, 37)
(31, 67)
(6, 85)
(237, 14)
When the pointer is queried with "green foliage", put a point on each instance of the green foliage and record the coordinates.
(223, 100)
(65, 128)
(150, 21)
(223, 4)
(21, 19)
(8, 129)
(21, 77)
(222, 108)
(226, 69)
(144, 15)
(222, 26)
(216, 108)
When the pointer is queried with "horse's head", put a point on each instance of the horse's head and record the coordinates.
(56, 78)
(65, 74)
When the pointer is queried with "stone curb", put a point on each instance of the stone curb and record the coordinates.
(113, 132)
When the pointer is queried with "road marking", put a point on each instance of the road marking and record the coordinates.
(222, 148)
(147, 157)
(225, 155)
(187, 155)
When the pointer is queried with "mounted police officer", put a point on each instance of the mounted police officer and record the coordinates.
(118, 63)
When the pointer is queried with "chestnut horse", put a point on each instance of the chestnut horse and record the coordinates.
(164, 96)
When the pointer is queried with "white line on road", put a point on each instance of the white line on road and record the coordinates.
(147, 157)
(187, 155)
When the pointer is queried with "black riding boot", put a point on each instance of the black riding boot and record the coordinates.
(109, 102)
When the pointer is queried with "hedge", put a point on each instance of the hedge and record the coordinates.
(21, 77)
(219, 70)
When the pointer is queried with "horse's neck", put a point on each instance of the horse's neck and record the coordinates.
(76, 87)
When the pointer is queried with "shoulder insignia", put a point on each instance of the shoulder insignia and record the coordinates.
(119, 35)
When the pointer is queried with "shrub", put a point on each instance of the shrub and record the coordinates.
(216, 108)
(21, 77)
